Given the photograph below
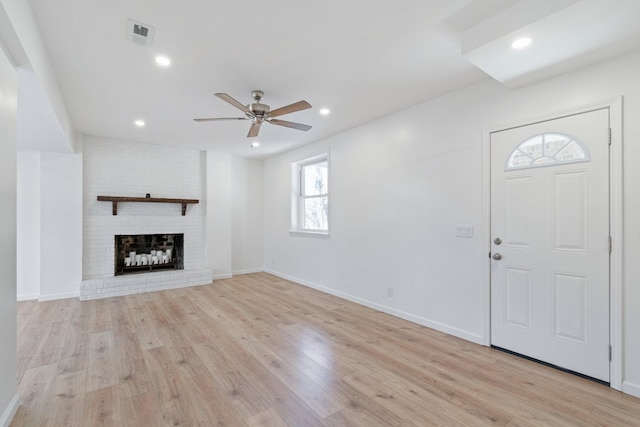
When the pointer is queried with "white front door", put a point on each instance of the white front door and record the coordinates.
(550, 242)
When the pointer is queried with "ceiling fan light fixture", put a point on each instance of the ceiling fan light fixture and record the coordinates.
(255, 144)
(139, 123)
(325, 111)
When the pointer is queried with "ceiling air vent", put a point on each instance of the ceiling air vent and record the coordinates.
(139, 33)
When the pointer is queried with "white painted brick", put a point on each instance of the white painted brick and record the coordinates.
(125, 168)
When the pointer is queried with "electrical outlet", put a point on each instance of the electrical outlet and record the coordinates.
(464, 230)
(390, 292)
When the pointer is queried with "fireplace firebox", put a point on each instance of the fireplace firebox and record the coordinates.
(144, 253)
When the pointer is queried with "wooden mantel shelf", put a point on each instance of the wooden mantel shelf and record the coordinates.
(115, 199)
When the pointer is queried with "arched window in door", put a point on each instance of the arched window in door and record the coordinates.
(547, 149)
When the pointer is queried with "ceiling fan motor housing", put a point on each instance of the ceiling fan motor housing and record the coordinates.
(260, 110)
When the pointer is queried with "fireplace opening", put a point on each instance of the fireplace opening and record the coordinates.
(144, 253)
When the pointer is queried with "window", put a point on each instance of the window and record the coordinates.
(311, 206)
(547, 149)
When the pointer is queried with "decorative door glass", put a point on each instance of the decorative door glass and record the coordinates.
(547, 149)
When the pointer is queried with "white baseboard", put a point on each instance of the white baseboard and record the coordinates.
(237, 273)
(27, 297)
(438, 326)
(248, 271)
(632, 389)
(10, 411)
(63, 295)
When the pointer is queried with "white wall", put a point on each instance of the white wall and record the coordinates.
(219, 214)
(60, 225)
(234, 215)
(49, 227)
(28, 225)
(247, 223)
(400, 185)
(8, 206)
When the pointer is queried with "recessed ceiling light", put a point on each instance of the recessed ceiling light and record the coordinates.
(324, 111)
(139, 123)
(521, 43)
(255, 144)
(163, 61)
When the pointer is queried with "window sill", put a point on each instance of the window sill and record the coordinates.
(321, 234)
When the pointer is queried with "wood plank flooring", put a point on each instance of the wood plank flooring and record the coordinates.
(257, 350)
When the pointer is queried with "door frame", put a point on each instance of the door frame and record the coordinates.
(615, 106)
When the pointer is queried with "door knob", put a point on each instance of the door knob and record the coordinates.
(497, 256)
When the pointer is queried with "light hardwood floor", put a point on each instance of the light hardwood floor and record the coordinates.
(256, 350)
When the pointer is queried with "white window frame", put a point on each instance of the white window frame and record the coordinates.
(297, 197)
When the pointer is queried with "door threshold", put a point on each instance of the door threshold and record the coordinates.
(577, 374)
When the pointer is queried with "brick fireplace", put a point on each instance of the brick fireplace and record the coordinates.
(118, 168)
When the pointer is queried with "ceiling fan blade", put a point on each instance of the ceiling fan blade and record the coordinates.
(212, 119)
(254, 129)
(233, 102)
(291, 108)
(292, 125)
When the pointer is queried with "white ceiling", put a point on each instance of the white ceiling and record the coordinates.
(361, 59)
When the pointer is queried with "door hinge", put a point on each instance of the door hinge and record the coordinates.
(610, 354)
(610, 245)
(609, 136)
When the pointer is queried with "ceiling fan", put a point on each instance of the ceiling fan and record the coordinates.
(260, 113)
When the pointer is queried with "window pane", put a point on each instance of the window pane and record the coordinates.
(547, 149)
(571, 152)
(519, 159)
(544, 160)
(532, 147)
(314, 179)
(554, 142)
(315, 213)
